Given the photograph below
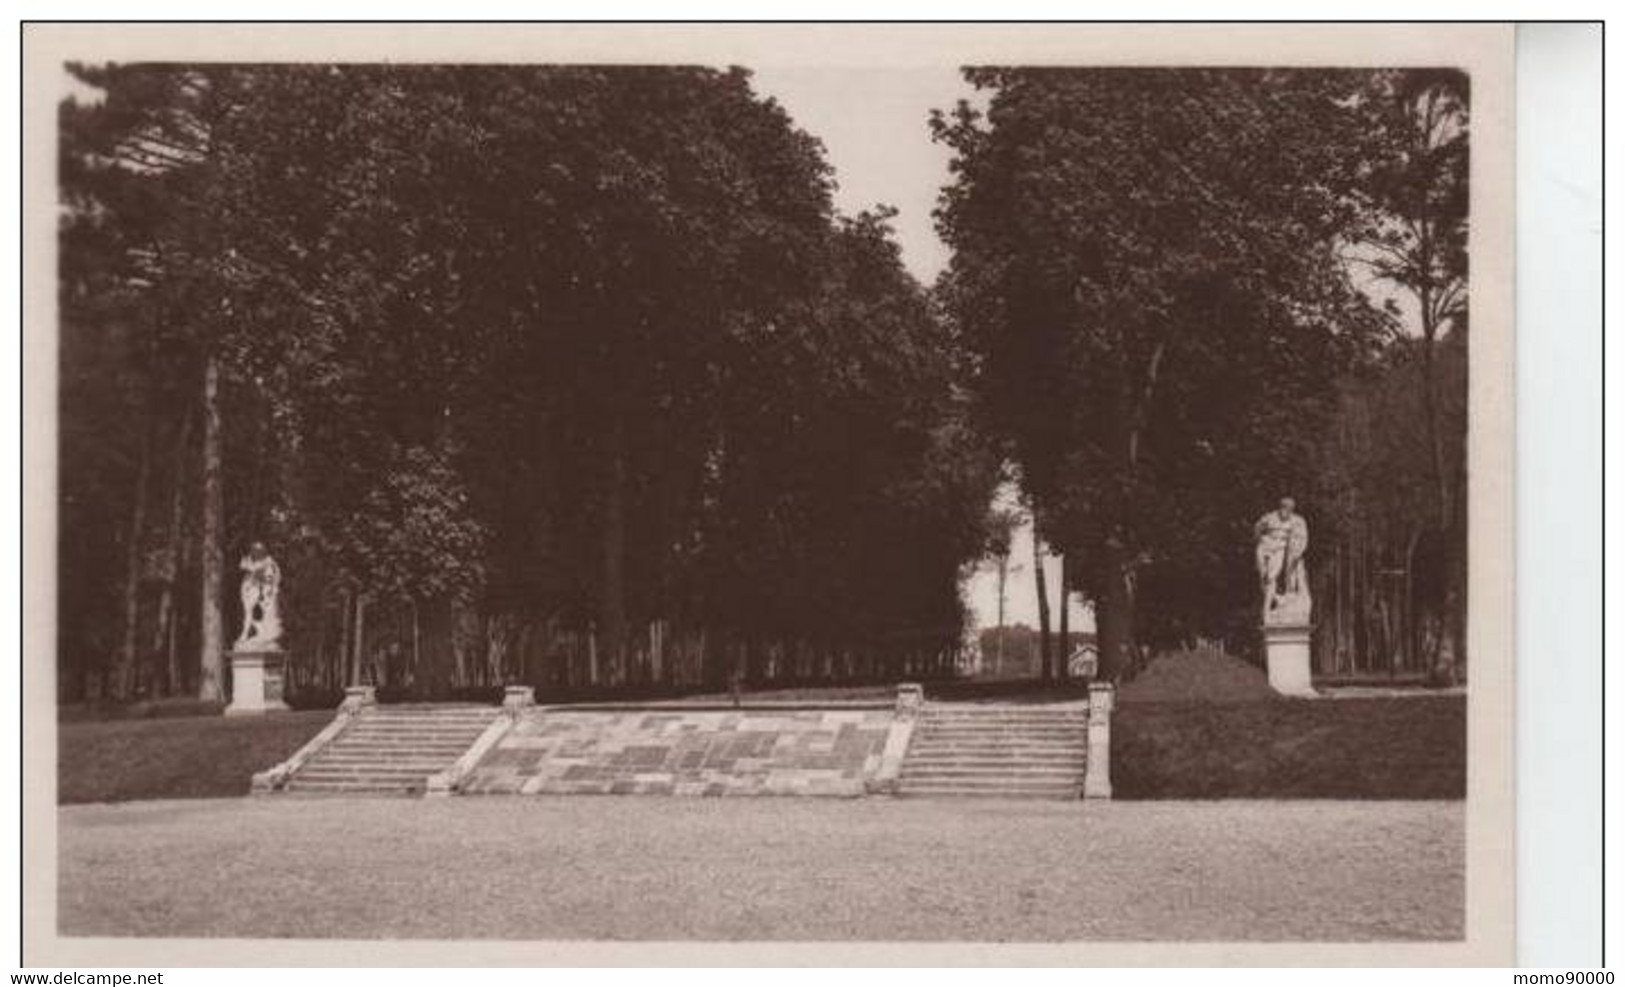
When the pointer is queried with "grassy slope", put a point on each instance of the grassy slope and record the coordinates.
(1380, 748)
(185, 757)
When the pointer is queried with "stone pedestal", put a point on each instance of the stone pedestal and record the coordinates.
(1097, 772)
(1286, 652)
(256, 682)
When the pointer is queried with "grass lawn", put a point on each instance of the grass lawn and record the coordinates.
(1412, 747)
(644, 867)
(183, 757)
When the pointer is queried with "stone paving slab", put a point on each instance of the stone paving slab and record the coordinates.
(686, 752)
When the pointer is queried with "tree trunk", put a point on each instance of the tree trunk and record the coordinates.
(358, 638)
(1119, 652)
(1411, 626)
(1064, 654)
(1452, 563)
(1044, 644)
(998, 647)
(592, 655)
(210, 662)
(124, 669)
(1116, 615)
(417, 646)
(167, 636)
(612, 589)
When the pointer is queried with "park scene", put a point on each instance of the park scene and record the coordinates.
(652, 503)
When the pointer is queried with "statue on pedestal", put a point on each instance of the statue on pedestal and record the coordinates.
(1283, 537)
(262, 622)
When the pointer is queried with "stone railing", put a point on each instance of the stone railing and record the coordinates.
(1097, 775)
(356, 700)
(910, 700)
(517, 699)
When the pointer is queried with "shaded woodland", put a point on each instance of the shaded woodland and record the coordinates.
(575, 377)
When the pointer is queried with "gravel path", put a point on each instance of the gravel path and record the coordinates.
(771, 869)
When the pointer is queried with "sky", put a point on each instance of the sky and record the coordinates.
(873, 125)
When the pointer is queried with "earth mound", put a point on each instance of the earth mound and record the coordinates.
(1203, 675)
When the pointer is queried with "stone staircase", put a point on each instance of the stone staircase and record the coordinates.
(1001, 751)
(393, 749)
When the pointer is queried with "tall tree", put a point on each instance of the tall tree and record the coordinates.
(1414, 238)
(1146, 262)
(569, 350)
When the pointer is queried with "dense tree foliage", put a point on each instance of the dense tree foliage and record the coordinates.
(1413, 240)
(574, 375)
(567, 375)
(1152, 271)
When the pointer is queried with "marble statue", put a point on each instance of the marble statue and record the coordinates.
(262, 621)
(1283, 536)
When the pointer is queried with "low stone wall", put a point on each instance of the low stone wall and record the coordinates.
(754, 750)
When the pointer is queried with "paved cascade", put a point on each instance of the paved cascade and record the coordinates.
(694, 751)
(1006, 751)
(394, 749)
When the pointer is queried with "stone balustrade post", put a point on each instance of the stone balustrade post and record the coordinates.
(516, 699)
(910, 697)
(1097, 775)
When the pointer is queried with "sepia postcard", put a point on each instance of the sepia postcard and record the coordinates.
(653, 494)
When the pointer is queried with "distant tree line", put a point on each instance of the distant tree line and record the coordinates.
(567, 375)
(1015, 652)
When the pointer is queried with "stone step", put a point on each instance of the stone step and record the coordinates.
(434, 727)
(1059, 786)
(1044, 736)
(1013, 740)
(992, 729)
(971, 747)
(397, 752)
(992, 756)
(408, 740)
(400, 732)
(372, 780)
(378, 763)
(422, 724)
(397, 713)
(330, 788)
(1005, 716)
(412, 723)
(943, 712)
(393, 750)
(1012, 793)
(396, 709)
(430, 763)
(1013, 746)
(1002, 743)
(346, 758)
(474, 716)
(1078, 726)
(410, 735)
(931, 724)
(996, 763)
(996, 771)
(318, 768)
